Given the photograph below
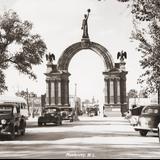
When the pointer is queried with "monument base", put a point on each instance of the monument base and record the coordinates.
(112, 110)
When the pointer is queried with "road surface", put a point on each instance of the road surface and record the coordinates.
(91, 137)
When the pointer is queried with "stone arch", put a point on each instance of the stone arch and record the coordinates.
(57, 78)
(67, 55)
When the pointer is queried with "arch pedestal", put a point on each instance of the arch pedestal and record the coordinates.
(115, 90)
(57, 87)
(57, 78)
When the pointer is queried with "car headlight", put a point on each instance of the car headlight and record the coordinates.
(3, 121)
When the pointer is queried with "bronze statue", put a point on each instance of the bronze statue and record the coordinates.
(50, 57)
(85, 25)
(122, 55)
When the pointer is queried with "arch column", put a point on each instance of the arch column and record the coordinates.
(47, 92)
(123, 98)
(59, 93)
(53, 101)
(65, 89)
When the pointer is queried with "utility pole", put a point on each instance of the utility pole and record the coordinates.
(75, 103)
(28, 101)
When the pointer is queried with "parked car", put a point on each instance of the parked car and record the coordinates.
(12, 122)
(159, 132)
(50, 115)
(133, 115)
(148, 120)
(67, 113)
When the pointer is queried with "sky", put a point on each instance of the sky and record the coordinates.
(59, 24)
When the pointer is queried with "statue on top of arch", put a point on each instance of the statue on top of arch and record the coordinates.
(85, 25)
(50, 57)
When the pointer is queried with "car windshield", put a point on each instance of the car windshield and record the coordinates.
(50, 110)
(151, 111)
(5, 109)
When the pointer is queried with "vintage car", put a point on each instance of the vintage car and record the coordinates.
(92, 111)
(50, 115)
(148, 120)
(11, 120)
(133, 115)
(67, 113)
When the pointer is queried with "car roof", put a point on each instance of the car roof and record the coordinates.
(65, 108)
(7, 104)
(12, 99)
(153, 106)
(51, 108)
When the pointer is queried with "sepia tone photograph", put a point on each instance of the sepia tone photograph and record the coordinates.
(79, 79)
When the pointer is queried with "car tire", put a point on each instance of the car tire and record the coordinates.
(143, 133)
(58, 123)
(39, 124)
(23, 132)
(22, 128)
(12, 136)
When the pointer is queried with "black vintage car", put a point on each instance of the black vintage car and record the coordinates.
(67, 113)
(148, 120)
(11, 120)
(50, 115)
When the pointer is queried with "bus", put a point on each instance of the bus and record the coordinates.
(19, 101)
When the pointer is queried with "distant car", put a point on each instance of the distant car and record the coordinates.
(50, 115)
(12, 122)
(148, 120)
(67, 113)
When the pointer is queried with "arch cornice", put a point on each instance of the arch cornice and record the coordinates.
(67, 55)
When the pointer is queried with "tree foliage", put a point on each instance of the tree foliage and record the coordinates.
(18, 46)
(26, 94)
(132, 93)
(146, 20)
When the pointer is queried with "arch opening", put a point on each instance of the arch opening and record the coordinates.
(86, 69)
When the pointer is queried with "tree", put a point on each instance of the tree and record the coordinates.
(18, 46)
(143, 94)
(28, 96)
(146, 20)
(132, 93)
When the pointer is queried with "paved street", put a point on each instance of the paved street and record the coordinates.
(91, 137)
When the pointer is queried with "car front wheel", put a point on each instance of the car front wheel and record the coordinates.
(59, 122)
(143, 133)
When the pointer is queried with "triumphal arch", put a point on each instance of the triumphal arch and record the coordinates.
(57, 75)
